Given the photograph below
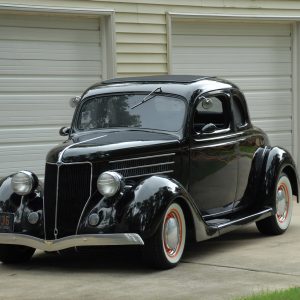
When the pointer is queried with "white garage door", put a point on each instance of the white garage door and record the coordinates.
(257, 57)
(44, 61)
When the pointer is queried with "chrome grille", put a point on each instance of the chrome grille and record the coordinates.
(65, 201)
(144, 166)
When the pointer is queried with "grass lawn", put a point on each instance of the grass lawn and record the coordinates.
(290, 294)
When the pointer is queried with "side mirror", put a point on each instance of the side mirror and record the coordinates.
(74, 101)
(64, 131)
(209, 128)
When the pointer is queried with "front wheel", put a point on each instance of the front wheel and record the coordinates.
(11, 254)
(280, 222)
(164, 250)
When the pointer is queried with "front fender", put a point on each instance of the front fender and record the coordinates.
(278, 160)
(20, 206)
(9, 201)
(150, 200)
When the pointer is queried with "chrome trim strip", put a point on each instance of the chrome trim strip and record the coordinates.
(71, 241)
(149, 174)
(44, 219)
(56, 203)
(145, 166)
(222, 137)
(266, 211)
(60, 156)
(44, 201)
(213, 145)
(144, 157)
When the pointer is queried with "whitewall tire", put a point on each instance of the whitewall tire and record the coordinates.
(283, 204)
(164, 250)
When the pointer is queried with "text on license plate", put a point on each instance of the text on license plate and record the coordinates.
(6, 222)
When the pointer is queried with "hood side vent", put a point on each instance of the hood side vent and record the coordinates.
(144, 166)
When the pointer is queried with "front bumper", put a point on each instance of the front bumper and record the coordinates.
(71, 241)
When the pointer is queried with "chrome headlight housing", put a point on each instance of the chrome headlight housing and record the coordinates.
(109, 183)
(24, 182)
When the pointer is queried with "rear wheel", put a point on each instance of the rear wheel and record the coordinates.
(164, 250)
(280, 222)
(11, 254)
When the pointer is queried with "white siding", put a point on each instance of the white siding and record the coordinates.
(141, 44)
(44, 61)
(255, 56)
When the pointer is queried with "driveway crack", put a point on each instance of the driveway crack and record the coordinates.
(240, 268)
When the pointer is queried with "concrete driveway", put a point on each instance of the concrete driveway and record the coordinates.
(239, 263)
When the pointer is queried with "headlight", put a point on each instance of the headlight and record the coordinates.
(109, 183)
(23, 183)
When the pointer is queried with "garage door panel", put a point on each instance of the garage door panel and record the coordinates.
(266, 51)
(44, 34)
(12, 158)
(6, 20)
(274, 124)
(30, 135)
(234, 57)
(231, 29)
(44, 67)
(247, 83)
(42, 117)
(283, 139)
(269, 97)
(30, 111)
(48, 51)
(264, 110)
(226, 41)
(56, 100)
(224, 69)
(38, 84)
(255, 56)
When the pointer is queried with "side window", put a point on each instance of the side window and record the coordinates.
(238, 112)
(212, 110)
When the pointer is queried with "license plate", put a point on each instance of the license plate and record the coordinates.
(6, 222)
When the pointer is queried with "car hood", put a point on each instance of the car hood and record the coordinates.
(110, 144)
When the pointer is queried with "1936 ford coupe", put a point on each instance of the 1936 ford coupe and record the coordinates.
(150, 161)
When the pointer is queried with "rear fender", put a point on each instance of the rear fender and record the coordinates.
(278, 160)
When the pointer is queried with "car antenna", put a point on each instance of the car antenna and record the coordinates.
(146, 98)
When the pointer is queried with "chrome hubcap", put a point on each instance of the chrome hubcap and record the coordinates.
(282, 203)
(171, 234)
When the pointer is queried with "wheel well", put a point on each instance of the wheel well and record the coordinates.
(289, 171)
(190, 226)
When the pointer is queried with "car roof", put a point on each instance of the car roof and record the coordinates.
(183, 85)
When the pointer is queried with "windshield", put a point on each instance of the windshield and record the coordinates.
(160, 112)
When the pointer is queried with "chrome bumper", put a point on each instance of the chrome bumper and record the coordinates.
(71, 241)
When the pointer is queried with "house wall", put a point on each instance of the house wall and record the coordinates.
(141, 26)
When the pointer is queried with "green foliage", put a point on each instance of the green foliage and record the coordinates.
(289, 294)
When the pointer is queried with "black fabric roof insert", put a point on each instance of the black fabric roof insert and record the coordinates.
(161, 78)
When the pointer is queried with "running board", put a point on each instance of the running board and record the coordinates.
(230, 225)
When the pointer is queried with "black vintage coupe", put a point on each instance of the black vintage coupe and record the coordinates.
(150, 161)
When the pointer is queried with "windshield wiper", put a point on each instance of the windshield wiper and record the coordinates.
(147, 98)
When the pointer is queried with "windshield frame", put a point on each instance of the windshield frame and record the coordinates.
(74, 124)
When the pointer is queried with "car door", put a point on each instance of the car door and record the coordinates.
(213, 154)
(248, 143)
